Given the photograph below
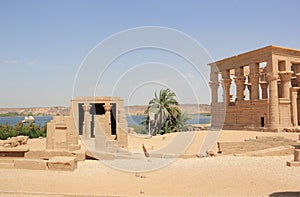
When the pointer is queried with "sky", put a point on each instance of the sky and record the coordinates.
(52, 51)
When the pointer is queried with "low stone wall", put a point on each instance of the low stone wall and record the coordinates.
(258, 144)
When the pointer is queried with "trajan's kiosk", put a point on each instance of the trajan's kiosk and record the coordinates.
(260, 90)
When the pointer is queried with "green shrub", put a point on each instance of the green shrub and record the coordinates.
(31, 130)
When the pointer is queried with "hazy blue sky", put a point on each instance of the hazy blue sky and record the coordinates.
(43, 43)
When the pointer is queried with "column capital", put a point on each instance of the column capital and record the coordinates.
(226, 82)
(107, 108)
(86, 107)
(295, 89)
(285, 75)
(272, 77)
(240, 80)
(263, 84)
(213, 84)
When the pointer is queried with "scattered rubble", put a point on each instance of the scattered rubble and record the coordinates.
(14, 141)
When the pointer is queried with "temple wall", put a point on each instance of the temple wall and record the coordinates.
(246, 114)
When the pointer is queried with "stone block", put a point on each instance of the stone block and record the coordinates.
(72, 139)
(46, 154)
(35, 154)
(297, 155)
(50, 134)
(60, 139)
(6, 165)
(293, 163)
(32, 164)
(74, 147)
(13, 152)
(62, 163)
(79, 154)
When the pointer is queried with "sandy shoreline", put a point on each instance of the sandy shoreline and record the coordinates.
(226, 175)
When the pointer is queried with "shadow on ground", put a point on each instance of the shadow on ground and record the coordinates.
(285, 194)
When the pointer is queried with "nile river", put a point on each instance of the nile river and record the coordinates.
(131, 119)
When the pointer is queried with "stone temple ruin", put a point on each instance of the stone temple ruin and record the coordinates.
(99, 121)
(260, 90)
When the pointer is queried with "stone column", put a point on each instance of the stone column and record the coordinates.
(87, 121)
(264, 89)
(214, 85)
(226, 91)
(226, 82)
(107, 117)
(240, 83)
(294, 93)
(254, 80)
(285, 77)
(273, 99)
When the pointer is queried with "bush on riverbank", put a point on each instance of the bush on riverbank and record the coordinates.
(31, 130)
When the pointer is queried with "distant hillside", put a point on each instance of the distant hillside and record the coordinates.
(132, 110)
(187, 108)
(36, 111)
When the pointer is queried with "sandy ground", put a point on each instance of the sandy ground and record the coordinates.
(213, 176)
(196, 140)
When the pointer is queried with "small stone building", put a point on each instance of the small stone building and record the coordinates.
(100, 118)
(260, 90)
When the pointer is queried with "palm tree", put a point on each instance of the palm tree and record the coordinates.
(166, 113)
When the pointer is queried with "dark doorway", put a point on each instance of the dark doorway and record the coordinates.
(80, 118)
(262, 121)
(98, 109)
(113, 114)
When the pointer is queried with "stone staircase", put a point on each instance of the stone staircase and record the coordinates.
(21, 157)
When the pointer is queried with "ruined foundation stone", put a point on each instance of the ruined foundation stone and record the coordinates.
(62, 163)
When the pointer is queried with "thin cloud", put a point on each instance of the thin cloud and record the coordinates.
(190, 75)
(10, 61)
(186, 76)
(34, 62)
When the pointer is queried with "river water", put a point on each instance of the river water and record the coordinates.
(131, 119)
